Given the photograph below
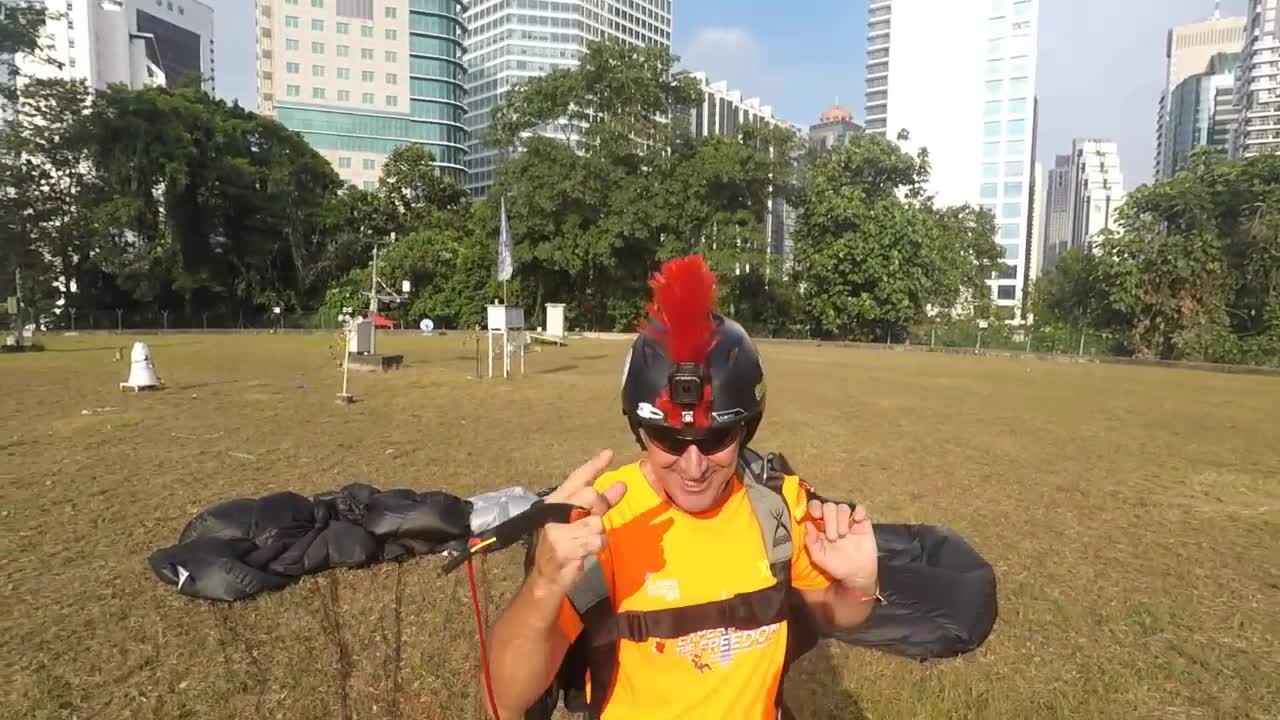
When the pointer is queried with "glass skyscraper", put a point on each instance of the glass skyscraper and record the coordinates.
(959, 78)
(510, 41)
(358, 78)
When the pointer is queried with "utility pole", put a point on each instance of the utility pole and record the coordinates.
(17, 308)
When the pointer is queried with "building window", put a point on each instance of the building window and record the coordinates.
(1009, 232)
(389, 12)
(293, 90)
(290, 44)
(286, 2)
(317, 48)
(995, 68)
(990, 191)
(317, 93)
(368, 164)
(991, 130)
(344, 96)
(1013, 190)
(994, 88)
(999, 7)
(1018, 86)
(343, 28)
(1011, 251)
(369, 185)
(392, 100)
(317, 25)
(366, 31)
(995, 48)
(1015, 168)
(366, 76)
(391, 78)
(1006, 292)
(344, 163)
(390, 34)
(317, 3)
(991, 150)
(391, 55)
(317, 71)
(1015, 148)
(997, 27)
(1017, 106)
(366, 98)
(291, 21)
(992, 108)
(344, 73)
(366, 53)
(990, 171)
(1007, 272)
(1022, 8)
(1017, 128)
(292, 68)
(344, 50)
(1011, 211)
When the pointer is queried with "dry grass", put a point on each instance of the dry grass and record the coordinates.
(1133, 515)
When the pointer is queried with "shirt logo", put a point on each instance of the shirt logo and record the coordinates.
(666, 588)
(781, 529)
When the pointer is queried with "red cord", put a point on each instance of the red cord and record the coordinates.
(484, 653)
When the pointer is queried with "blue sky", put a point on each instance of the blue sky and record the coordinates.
(1101, 61)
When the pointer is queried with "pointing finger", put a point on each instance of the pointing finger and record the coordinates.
(583, 476)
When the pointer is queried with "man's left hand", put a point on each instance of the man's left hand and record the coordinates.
(845, 547)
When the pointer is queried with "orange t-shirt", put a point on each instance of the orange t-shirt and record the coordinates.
(657, 556)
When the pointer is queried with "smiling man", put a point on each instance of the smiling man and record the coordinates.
(684, 578)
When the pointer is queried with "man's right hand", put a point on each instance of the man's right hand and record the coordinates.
(560, 558)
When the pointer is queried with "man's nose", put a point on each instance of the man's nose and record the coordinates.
(692, 464)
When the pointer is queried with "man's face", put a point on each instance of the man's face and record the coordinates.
(693, 479)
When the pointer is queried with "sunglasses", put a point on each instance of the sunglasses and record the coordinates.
(672, 441)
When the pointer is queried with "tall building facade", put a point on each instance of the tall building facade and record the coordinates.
(1197, 105)
(1057, 210)
(1258, 86)
(511, 41)
(133, 42)
(834, 127)
(1097, 190)
(1188, 52)
(359, 78)
(724, 112)
(1035, 248)
(974, 109)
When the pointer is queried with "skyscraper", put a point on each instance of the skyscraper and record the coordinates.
(834, 127)
(1188, 51)
(1035, 249)
(959, 78)
(1097, 190)
(513, 40)
(1258, 87)
(1194, 107)
(358, 78)
(133, 42)
(1057, 208)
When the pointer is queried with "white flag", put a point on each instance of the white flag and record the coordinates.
(504, 245)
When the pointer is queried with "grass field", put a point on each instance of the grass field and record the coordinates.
(1133, 516)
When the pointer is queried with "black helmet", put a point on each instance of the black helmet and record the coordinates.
(692, 400)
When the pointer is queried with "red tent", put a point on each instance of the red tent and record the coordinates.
(382, 321)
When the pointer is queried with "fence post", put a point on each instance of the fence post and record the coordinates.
(1028, 342)
(73, 318)
(933, 333)
(1082, 334)
(119, 320)
(164, 314)
(204, 319)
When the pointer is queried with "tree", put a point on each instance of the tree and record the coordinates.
(21, 33)
(873, 254)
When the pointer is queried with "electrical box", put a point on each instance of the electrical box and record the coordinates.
(360, 337)
(505, 317)
(555, 319)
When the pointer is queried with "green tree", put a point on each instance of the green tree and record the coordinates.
(873, 254)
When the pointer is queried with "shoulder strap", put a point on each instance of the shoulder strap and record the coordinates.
(764, 491)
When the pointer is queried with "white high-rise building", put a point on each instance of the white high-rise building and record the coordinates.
(134, 42)
(1258, 83)
(1097, 190)
(510, 41)
(959, 77)
(359, 78)
(1188, 51)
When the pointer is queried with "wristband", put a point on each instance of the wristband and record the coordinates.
(856, 596)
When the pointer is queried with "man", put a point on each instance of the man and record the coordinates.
(680, 528)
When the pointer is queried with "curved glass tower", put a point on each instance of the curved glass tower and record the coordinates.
(359, 78)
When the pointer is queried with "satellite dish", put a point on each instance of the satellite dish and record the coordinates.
(426, 326)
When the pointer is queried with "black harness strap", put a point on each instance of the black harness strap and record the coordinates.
(744, 611)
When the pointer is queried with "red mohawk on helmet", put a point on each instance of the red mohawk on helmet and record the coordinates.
(684, 297)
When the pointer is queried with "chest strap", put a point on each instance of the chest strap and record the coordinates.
(744, 611)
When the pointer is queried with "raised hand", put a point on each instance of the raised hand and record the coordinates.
(559, 560)
(845, 546)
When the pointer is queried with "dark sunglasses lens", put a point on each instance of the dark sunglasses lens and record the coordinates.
(672, 442)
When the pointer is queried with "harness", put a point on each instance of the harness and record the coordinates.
(762, 476)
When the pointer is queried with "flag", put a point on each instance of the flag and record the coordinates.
(504, 245)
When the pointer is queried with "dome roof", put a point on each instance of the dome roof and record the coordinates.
(836, 113)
